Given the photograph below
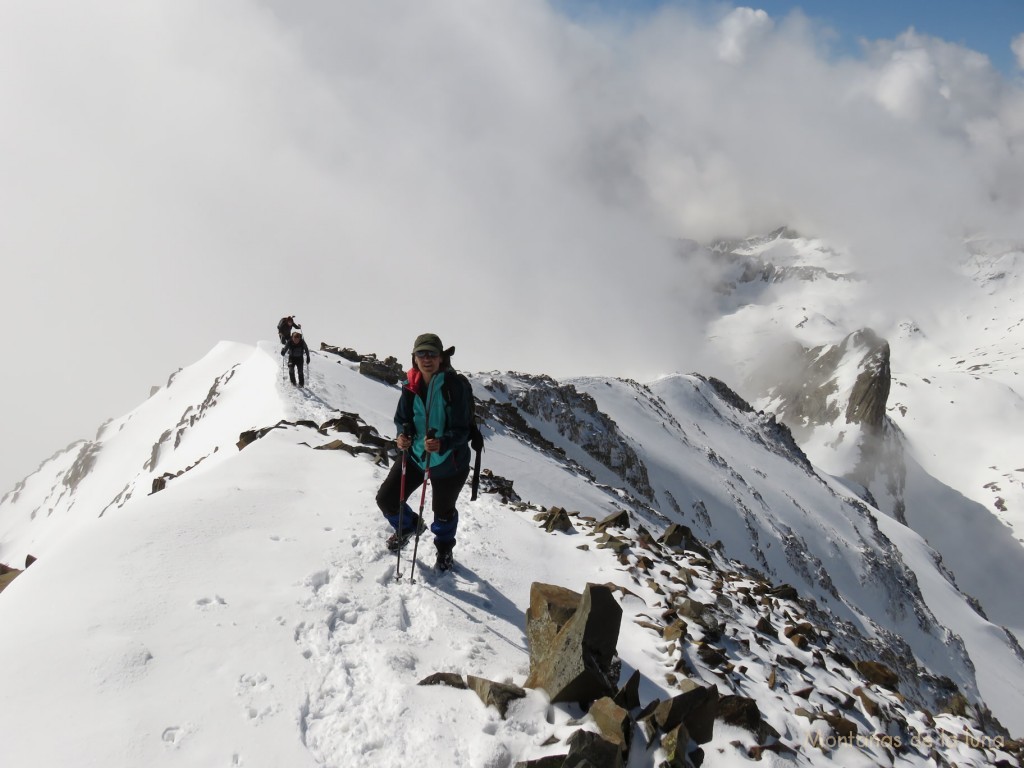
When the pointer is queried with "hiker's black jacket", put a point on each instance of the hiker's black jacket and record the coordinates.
(294, 351)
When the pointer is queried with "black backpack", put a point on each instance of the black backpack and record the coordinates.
(476, 437)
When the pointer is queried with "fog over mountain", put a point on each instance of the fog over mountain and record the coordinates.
(186, 173)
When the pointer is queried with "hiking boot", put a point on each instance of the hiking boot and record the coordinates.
(445, 561)
(396, 542)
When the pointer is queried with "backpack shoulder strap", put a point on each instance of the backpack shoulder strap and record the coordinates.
(476, 437)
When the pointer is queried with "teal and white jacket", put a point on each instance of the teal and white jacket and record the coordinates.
(444, 406)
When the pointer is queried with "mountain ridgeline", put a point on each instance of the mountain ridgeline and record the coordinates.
(781, 548)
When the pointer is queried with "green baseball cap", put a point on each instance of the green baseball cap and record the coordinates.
(428, 341)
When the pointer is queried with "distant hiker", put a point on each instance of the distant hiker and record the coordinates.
(294, 348)
(429, 404)
(284, 328)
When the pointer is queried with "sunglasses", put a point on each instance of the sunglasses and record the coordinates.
(426, 353)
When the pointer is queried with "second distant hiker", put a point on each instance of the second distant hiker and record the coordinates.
(284, 328)
(429, 405)
(294, 348)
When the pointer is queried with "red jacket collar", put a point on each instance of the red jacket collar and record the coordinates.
(415, 381)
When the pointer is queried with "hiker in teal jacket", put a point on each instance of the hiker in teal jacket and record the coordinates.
(429, 405)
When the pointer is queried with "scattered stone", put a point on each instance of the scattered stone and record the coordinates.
(492, 483)
(449, 679)
(628, 696)
(590, 750)
(675, 630)
(674, 743)
(765, 627)
(869, 705)
(845, 729)
(613, 721)
(710, 655)
(877, 673)
(618, 519)
(492, 694)
(345, 352)
(784, 592)
(695, 708)
(557, 519)
(740, 711)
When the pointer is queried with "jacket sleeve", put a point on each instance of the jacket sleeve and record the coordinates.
(306, 347)
(456, 432)
(403, 413)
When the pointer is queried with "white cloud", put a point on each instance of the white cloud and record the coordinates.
(738, 30)
(1018, 49)
(188, 172)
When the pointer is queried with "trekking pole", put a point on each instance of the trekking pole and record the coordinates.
(406, 429)
(423, 498)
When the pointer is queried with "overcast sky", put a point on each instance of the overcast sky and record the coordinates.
(179, 172)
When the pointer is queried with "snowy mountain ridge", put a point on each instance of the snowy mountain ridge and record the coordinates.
(252, 596)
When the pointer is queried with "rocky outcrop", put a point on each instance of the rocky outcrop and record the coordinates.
(370, 441)
(388, 370)
(577, 418)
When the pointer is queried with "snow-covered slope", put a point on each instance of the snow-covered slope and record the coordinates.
(246, 614)
(957, 373)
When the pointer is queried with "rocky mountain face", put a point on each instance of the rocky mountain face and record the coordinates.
(838, 395)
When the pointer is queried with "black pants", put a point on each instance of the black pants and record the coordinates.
(292, 365)
(444, 492)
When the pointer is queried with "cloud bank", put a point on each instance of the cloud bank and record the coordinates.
(496, 172)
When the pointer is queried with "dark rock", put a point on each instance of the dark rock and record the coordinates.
(557, 519)
(765, 627)
(590, 750)
(877, 673)
(579, 662)
(29, 559)
(388, 371)
(710, 655)
(724, 392)
(845, 729)
(696, 708)
(680, 537)
(492, 694)
(869, 705)
(628, 696)
(618, 519)
(492, 483)
(674, 743)
(740, 711)
(449, 679)
(784, 592)
(345, 352)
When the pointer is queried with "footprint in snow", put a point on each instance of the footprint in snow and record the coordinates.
(207, 603)
(172, 735)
